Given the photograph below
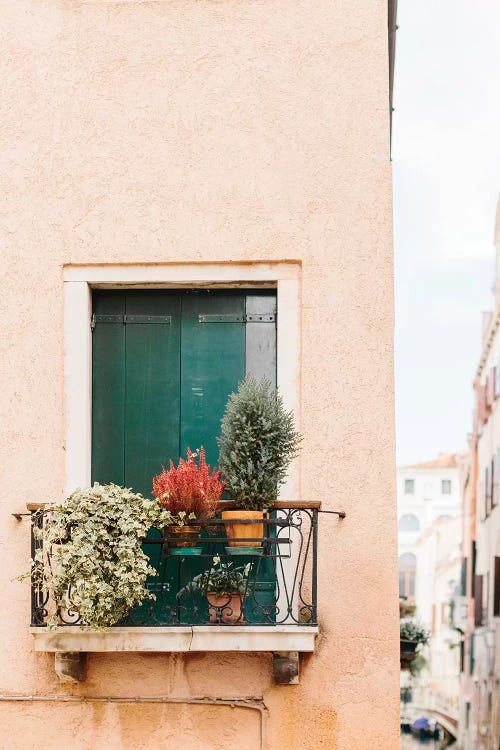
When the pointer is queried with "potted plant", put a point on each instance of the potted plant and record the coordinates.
(92, 563)
(191, 494)
(412, 635)
(258, 441)
(407, 607)
(225, 588)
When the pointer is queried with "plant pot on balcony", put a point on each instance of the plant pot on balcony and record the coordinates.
(225, 608)
(183, 540)
(235, 530)
(411, 635)
(407, 653)
(258, 441)
(190, 493)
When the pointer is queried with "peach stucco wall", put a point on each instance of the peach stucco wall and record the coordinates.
(195, 130)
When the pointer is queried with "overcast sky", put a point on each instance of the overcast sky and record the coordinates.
(446, 161)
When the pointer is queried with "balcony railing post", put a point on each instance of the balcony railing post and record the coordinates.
(37, 597)
(33, 553)
(314, 608)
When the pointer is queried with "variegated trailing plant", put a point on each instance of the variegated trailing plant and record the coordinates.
(92, 561)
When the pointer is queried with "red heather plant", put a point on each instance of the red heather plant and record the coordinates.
(189, 490)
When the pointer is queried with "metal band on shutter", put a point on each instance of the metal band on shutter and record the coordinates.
(255, 318)
(131, 319)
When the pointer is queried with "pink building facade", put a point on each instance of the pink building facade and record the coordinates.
(185, 145)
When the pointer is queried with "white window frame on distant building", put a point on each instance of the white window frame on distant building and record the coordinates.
(409, 486)
(446, 486)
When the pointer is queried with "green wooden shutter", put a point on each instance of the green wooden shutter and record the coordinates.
(260, 362)
(108, 390)
(136, 386)
(136, 400)
(164, 364)
(212, 364)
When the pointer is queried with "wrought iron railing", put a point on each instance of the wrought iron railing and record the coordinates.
(280, 582)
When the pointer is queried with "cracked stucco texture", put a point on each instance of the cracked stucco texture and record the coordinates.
(208, 130)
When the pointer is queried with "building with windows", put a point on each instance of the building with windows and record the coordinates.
(430, 573)
(439, 548)
(195, 191)
(480, 679)
(427, 492)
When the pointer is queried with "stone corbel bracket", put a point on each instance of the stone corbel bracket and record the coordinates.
(70, 665)
(286, 667)
(71, 644)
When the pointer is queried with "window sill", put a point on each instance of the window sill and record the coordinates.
(177, 639)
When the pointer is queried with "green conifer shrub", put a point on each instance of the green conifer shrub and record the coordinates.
(258, 441)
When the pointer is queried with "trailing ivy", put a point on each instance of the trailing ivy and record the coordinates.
(96, 565)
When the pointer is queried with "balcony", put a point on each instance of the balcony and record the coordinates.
(275, 609)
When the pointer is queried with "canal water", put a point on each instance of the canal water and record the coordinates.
(411, 743)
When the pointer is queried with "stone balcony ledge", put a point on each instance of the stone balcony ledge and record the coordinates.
(180, 639)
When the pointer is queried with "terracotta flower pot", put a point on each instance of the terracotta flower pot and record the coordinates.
(183, 536)
(225, 607)
(235, 530)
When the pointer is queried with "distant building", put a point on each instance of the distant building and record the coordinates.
(427, 492)
(430, 552)
(439, 550)
(480, 679)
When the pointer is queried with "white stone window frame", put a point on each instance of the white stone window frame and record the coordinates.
(79, 281)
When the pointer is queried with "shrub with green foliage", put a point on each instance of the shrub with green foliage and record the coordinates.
(97, 566)
(257, 444)
(222, 578)
(411, 630)
(417, 665)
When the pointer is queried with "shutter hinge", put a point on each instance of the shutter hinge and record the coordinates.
(148, 319)
(264, 318)
(254, 318)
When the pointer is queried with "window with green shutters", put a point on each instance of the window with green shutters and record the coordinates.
(163, 366)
